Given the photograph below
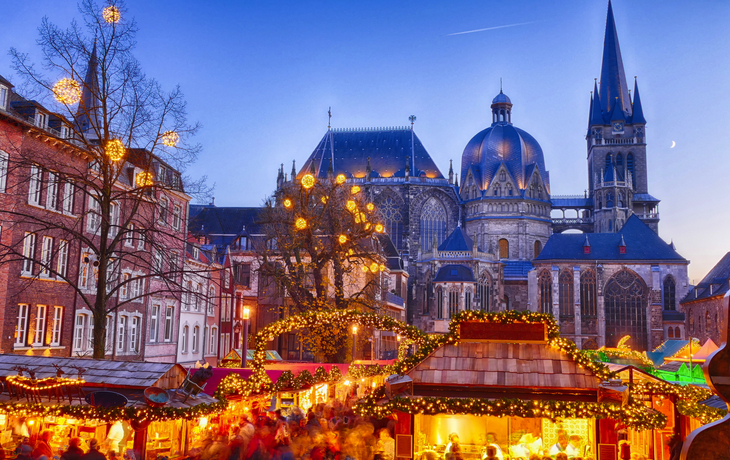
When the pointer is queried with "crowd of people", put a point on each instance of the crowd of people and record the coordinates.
(41, 450)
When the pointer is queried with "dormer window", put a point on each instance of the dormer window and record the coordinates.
(196, 253)
(4, 97)
(41, 120)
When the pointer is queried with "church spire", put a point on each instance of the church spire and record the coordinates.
(596, 116)
(613, 78)
(87, 113)
(638, 111)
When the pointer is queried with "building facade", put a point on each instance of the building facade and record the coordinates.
(705, 305)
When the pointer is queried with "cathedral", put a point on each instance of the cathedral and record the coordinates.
(495, 238)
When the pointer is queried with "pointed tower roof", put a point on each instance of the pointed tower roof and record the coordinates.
(613, 78)
(638, 116)
(87, 113)
(596, 117)
(617, 114)
(457, 241)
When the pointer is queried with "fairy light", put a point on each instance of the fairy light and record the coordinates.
(323, 200)
(374, 267)
(144, 179)
(308, 181)
(351, 205)
(111, 14)
(379, 228)
(342, 239)
(114, 150)
(370, 207)
(340, 179)
(170, 138)
(300, 223)
(355, 189)
(364, 268)
(287, 203)
(67, 91)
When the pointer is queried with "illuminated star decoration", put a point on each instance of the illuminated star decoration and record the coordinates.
(114, 150)
(170, 138)
(308, 181)
(300, 223)
(67, 91)
(111, 14)
(144, 179)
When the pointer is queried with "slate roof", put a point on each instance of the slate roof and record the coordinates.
(389, 150)
(98, 372)
(502, 364)
(645, 198)
(454, 273)
(458, 240)
(393, 258)
(668, 348)
(641, 244)
(717, 278)
(613, 78)
(571, 201)
(516, 269)
(223, 224)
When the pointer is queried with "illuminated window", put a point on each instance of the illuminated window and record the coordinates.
(39, 337)
(669, 294)
(503, 249)
(671, 332)
(625, 297)
(433, 223)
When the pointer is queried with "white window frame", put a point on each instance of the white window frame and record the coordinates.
(125, 283)
(140, 241)
(211, 300)
(79, 329)
(134, 327)
(35, 182)
(46, 255)
(52, 192)
(56, 326)
(129, 237)
(28, 254)
(213, 341)
(158, 262)
(176, 217)
(93, 216)
(184, 339)
(4, 160)
(114, 214)
(67, 203)
(121, 332)
(194, 339)
(154, 323)
(169, 322)
(62, 265)
(41, 119)
(109, 326)
(21, 327)
(162, 209)
(4, 92)
(39, 334)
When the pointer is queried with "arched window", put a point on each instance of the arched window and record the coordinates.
(538, 247)
(670, 302)
(609, 200)
(184, 344)
(502, 176)
(691, 321)
(467, 300)
(565, 293)
(427, 298)
(708, 325)
(439, 303)
(671, 332)
(545, 292)
(630, 168)
(621, 201)
(485, 292)
(609, 162)
(453, 304)
(677, 333)
(393, 218)
(620, 166)
(433, 223)
(588, 294)
(496, 191)
(503, 249)
(625, 297)
(599, 198)
(509, 190)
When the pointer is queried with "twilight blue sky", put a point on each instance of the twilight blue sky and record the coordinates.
(260, 76)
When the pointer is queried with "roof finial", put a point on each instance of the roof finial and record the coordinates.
(500, 85)
(412, 119)
(329, 118)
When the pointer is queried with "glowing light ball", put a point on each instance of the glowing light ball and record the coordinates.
(323, 200)
(351, 205)
(111, 14)
(341, 179)
(355, 189)
(170, 138)
(67, 91)
(342, 239)
(364, 268)
(144, 179)
(379, 228)
(308, 181)
(287, 203)
(300, 223)
(382, 267)
(374, 267)
(370, 207)
(115, 150)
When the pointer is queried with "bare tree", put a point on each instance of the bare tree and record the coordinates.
(106, 162)
(322, 246)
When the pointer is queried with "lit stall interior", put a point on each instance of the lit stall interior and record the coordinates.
(511, 437)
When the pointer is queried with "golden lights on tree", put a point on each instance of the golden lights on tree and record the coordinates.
(342, 239)
(111, 14)
(370, 207)
(340, 179)
(308, 181)
(351, 205)
(144, 179)
(374, 267)
(114, 150)
(67, 91)
(287, 203)
(323, 199)
(170, 138)
(300, 223)
(355, 189)
(379, 228)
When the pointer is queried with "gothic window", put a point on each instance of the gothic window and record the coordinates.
(502, 176)
(691, 321)
(485, 292)
(439, 304)
(677, 333)
(609, 200)
(600, 201)
(588, 294)
(496, 191)
(625, 298)
(545, 292)
(621, 202)
(453, 304)
(620, 166)
(503, 249)
(565, 293)
(538, 247)
(433, 223)
(509, 190)
(707, 322)
(671, 332)
(427, 298)
(630, 168)
(467, 300)
(393, 218)
(669, 294)
(609, 162)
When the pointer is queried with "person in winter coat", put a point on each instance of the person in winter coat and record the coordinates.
(74, 452)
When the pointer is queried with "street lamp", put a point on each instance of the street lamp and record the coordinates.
(354, 341)
(244, 346)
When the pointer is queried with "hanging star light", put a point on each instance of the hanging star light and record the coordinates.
(308, 181)
(170, 138)
(111, 14)
(340, 179)
(300, 223)
(67, 91)
(144, 179)
(114, 150)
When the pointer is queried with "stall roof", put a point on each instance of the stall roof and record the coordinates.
(99, 373)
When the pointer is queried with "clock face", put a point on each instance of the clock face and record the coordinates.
(618, 126)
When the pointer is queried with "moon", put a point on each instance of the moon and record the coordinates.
(673, 144)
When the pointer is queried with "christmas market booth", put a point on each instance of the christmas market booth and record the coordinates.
(506, 384)
(146, 409)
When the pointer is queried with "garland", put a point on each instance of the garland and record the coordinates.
(689, 398)
(637, 416)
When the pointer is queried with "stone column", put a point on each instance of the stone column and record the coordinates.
(576, 308)
(601, 308)
(556, 293)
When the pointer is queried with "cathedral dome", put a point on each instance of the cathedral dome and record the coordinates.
(502, 143)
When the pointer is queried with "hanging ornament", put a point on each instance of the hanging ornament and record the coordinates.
(370, 207)
(308, 181)
(111, 14)
(355, 189)
(300, 223)
(351, 205)
(114, 150)
(379, 228)
(170, 138)
(341, 179)
(342, 239)
(374, 267)
(67, 91)
(287, 203)
(144, 179)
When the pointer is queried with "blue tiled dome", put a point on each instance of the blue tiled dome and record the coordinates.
(501, 98)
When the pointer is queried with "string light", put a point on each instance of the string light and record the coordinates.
(374, 267)
(67, 91)
(287, 203)
(370, 207)
(170, 138)
(114, 150)
(144, 179)
(308, 181)
(351, 205)
(300, 223)
(323, 200)
(355, 189)
(340, 179)
(111, 14)
(379, 228)
(342, 239)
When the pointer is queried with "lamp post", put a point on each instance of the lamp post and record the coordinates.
(244, 345)
(354, 341)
